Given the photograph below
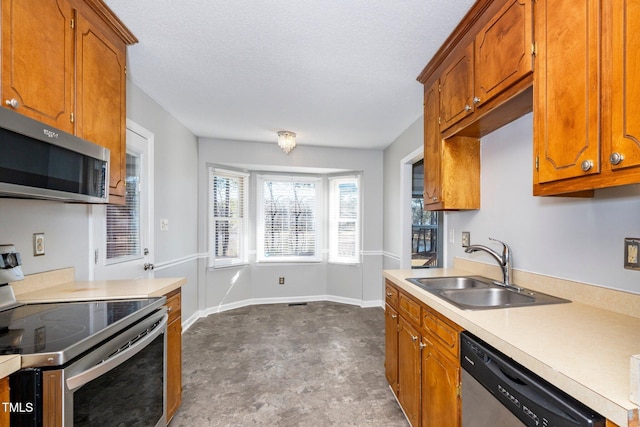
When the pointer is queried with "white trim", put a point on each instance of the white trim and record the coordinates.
(150, 137)
(406, 165)
(373, 253)
(178, 261)
(392, 256)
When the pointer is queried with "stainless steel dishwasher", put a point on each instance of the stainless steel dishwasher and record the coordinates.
(498, 392)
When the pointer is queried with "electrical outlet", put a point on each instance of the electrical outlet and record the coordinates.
(164, 225)
(466, 239)
(281, 280)
(631, 253)
(38, 244)
(452, 236)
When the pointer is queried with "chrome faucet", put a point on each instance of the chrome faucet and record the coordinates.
(504, 260)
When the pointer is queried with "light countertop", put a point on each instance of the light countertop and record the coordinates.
(581, 349)
(103, 289)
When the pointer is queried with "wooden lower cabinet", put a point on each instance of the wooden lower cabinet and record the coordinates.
(409, 370)
(391, 347)
(440, 395)
(421, 361)
(174, 353)
(4, 397)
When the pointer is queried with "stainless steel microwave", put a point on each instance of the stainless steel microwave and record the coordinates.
(41, 162)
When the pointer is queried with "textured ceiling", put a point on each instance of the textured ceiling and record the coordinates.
(337, 72)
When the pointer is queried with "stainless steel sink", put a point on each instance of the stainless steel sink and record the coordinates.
(481, 293)
(462, 282)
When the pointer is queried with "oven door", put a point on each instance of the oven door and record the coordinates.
(120, 383)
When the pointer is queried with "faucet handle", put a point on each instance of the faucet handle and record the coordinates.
(506, 250)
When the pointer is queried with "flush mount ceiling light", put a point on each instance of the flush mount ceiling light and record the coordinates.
(287, 140)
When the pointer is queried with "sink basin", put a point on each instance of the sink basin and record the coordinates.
(489, 297)
(462, 282)
(481, 293)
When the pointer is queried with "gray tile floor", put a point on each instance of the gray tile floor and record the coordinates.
(320, 364)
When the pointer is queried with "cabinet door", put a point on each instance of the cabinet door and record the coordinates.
(432, 143)
(4, 397)
(440, 387)
(391, 347)
(625, 90)
(174, 367)
(37, 60)
(456, 89)
(503, 50)
(409, 371)
(566, 89)
(101, 91)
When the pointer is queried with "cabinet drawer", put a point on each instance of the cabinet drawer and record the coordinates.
(391, 294)
(409, 308)
(174, 305)
(446, 333)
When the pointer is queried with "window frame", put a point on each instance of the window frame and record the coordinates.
(242, 219)
(334, 220)
(318, 218)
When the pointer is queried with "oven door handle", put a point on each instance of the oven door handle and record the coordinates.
(117, 359)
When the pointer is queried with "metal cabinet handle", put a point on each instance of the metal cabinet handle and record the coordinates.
(148, 266)
(422, 346)
(476, 100)
(616, 158)
(413, 338)
(586, 165)
(389, 294)
(468, 108)
(394, 316)
(12, 103)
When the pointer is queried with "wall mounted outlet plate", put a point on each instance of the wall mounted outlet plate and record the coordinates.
(38, 244)
(466, 239)
(631, 253)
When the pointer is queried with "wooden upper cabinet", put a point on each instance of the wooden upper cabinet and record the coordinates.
(625, 88)
(456, 89)
(101, 95)
(567, 80)
(432, 143)
(38, 60)
(503, 50)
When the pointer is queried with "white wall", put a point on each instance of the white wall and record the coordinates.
(223, 288)
(570, 238)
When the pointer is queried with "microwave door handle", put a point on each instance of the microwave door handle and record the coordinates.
(91, 374)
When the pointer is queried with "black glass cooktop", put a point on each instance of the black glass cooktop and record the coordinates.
(53, 333)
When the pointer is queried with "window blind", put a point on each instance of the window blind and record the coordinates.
(288, 218)
(124, 238)
(344, 219)
(228, 222)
